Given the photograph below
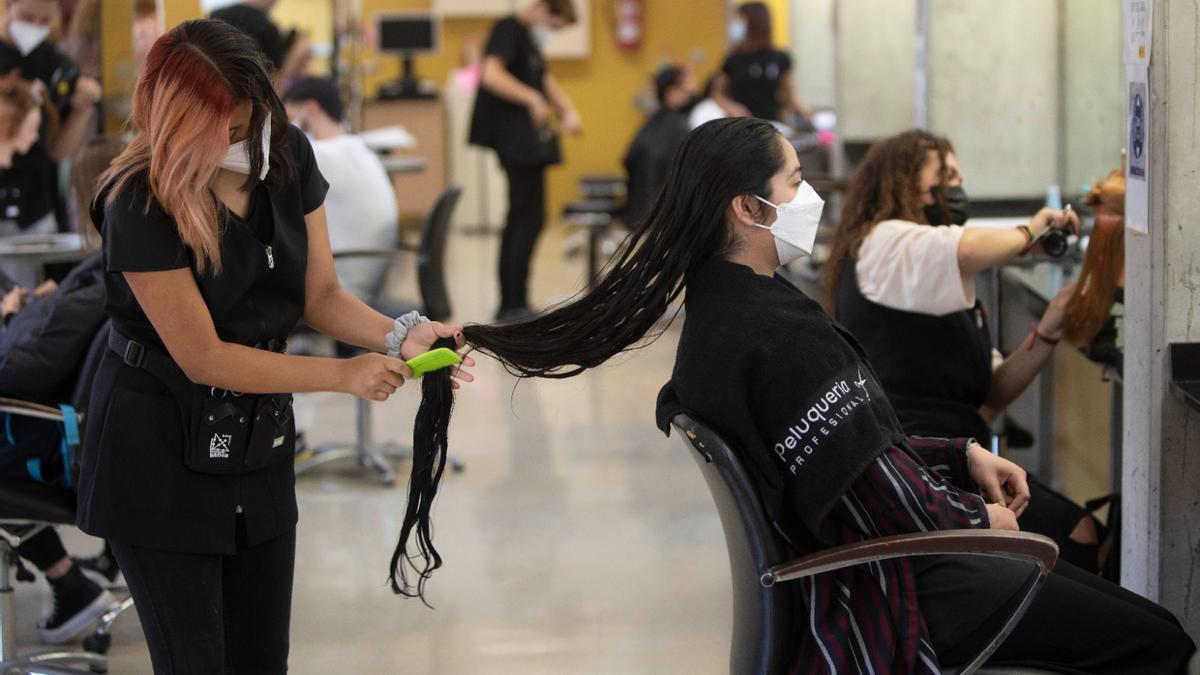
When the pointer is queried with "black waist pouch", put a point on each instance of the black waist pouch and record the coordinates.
(237, 434)
(226, 433)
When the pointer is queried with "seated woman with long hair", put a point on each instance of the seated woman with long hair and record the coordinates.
(792, 391)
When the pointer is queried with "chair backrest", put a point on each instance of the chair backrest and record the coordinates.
(431, 256)
(763, 640)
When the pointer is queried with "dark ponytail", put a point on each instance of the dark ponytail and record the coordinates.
(685, 227)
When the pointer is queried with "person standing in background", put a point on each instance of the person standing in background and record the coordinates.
(512, 116)
(756, 78)
(32, 199)
(360, 206)
(285, 51)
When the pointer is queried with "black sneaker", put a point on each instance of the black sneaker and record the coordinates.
(101, 568)
(78, 603)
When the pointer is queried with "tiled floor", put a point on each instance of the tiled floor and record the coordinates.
(578, 540)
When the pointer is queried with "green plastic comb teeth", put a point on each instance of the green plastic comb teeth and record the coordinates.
(434, 359)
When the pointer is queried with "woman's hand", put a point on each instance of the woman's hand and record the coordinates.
(571, 122)
(420, 339)
(1001, 518)
(1048, 219)
(373, 377)
(1051, 325)
(1004, 483)
(13, 301)
(539, 111)
(45, 288)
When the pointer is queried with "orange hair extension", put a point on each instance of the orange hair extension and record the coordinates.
(1104, 265)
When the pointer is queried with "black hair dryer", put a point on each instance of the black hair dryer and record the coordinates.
(1055, 244)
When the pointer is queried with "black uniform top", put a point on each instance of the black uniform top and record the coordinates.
(791, 390)
(134, 486)
(496, 122)
(937, 370)
(29, 189)
(649, 158)
(754, 80)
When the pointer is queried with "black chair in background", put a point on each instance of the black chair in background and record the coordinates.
(430, 254)
(31, 507)
(602, 205)
(765, 610)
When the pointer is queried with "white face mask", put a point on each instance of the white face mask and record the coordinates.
(541, 34)
(796, 222)
(27, 36)
(237, 157)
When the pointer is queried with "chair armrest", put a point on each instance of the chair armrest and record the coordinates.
(402, 248)
(13, 406)
(1036, 549)
(1033, 548)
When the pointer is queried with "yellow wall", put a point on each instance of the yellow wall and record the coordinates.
(602, 86)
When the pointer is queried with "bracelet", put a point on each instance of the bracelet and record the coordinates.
(400, 329)
(1028, 231)
(1038, 335)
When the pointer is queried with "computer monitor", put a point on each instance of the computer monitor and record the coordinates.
(406, 35)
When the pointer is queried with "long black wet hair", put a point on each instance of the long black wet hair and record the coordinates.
(685, 227)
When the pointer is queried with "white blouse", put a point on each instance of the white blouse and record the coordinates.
(914, 268)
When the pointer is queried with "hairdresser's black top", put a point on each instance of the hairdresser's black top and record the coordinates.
(134, 486)
(496, 122)
(936, 370)
(29, 189)
(754, 80)
(787, 387)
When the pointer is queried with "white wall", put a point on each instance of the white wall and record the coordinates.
(811, 38)
(1094, 92)
(994, 91)
(875, 65)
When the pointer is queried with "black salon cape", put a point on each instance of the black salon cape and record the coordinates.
(789, 389)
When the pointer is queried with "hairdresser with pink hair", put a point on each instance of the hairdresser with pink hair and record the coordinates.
(215, 247)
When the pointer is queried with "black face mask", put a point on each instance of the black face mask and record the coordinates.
(958, 205)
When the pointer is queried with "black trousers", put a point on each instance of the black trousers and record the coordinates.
(526, 217)
(1078, 622)
(207, 614)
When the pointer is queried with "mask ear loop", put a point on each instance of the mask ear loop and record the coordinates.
(266, 147)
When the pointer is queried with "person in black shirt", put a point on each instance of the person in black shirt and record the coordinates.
(285, 51)
(755, 79)
(26, 53)
(649, 155)
(214, 247)
(512, 114)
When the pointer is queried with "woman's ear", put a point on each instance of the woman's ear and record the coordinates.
(742, 210)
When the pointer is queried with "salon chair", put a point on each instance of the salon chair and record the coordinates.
(764, 604)
(603, 204)
(31, 507)
(430, 253)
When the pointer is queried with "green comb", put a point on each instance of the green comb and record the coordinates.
(434, 359)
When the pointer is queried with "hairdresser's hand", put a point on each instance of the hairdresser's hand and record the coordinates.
(1054, 219)
(1001, 518)
(45, 288)
(1003, 483)
(539, 111)
(87, 93)
(1054, 317)
(373, 377)
(571, 122)
(421, 337)
(13, 301)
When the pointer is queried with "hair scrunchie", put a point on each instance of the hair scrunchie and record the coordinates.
(400, 328)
